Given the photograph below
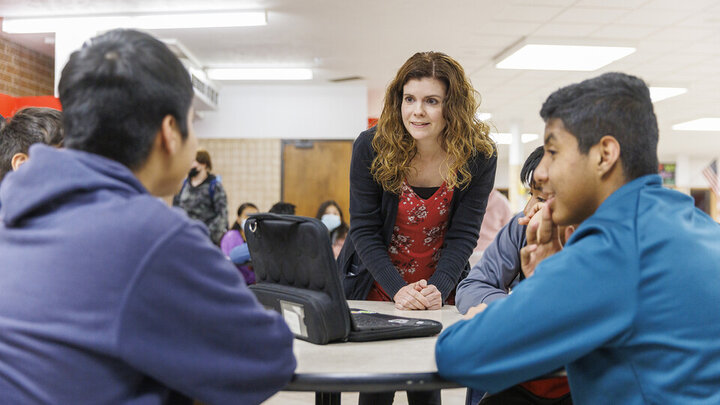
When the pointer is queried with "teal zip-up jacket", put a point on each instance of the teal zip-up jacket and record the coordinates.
(630, 307)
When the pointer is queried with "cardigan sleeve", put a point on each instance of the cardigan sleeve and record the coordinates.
(462, 234)
(366, 217)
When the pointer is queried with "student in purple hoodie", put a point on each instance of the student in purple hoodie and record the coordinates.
(108, 295)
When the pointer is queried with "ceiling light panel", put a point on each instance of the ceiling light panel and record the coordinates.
(661, 93)
(563, 57)
(259, 73)
(505, 138)
(149, 21)
(700, 124)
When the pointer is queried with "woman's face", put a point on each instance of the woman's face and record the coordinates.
(331, 210)
(422, 108)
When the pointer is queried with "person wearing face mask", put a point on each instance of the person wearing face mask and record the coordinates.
(235, 238)
(203, 197)
(331, 215)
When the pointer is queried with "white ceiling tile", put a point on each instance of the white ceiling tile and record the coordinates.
(709, 45)
(622, 31)
(681, 5)
(703, 19)
(527, 13)
(591, 15)
(654, 17)
(566, 30)
(683, 34)
(658, 45)
(542, 2)
(626, 4)
(676, 62)
(505, 28)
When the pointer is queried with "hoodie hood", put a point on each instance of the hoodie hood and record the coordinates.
(54, 174)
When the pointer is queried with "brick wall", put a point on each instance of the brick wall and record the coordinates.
(24, 72)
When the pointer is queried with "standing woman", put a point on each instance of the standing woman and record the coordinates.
(203, 197)
(419, 184)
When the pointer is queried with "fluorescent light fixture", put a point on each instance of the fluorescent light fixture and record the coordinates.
(563, 57)
(14, 25)
(259, 73)
(483, 116)
(661, 93)
(526, 138)
(505, 138)
(700, 124)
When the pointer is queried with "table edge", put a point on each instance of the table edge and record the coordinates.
(368, 382)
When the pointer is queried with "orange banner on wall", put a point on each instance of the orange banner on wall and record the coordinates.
(9, 105)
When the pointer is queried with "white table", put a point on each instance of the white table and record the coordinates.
(385, 365)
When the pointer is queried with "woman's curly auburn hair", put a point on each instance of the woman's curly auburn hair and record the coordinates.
(463, 137)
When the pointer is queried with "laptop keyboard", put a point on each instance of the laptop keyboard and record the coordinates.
(371, 321)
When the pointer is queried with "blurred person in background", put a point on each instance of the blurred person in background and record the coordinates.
(330, 213)
(282, 208)
(235, 238)
(203, 197)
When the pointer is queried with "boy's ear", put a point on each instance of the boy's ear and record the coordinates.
(608, 150)
(18, 159)
(169, 135)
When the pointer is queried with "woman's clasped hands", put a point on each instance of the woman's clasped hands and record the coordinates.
(417, 296)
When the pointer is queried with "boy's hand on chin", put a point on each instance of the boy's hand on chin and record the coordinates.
(543, 240)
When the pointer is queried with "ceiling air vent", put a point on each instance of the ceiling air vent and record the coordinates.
(347, 79)
(206, 93)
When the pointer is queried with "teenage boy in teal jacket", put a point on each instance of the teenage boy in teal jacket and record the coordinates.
(629, 306)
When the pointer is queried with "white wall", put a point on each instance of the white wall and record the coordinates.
(688, 172)
(287, 111)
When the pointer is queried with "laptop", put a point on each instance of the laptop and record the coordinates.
(296, 275)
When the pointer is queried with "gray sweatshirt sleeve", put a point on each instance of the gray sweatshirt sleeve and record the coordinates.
(496, 272)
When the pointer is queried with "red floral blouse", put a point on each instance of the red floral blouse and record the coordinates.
(418, 235)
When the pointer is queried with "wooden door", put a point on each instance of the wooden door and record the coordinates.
(316, 171)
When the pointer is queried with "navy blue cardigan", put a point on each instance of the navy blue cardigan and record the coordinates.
(373, 212)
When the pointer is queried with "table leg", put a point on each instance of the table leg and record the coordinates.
(327, 398)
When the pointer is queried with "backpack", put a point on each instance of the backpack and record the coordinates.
(211, 189)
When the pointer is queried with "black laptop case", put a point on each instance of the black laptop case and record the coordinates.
(297, 275)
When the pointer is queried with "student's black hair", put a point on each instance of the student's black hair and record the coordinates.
(283, 208)
(613, 104)
(115, 92)
(28, 126)
(325, 205)
(531, 163)
(241, 208)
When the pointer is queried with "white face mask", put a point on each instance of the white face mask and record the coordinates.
(242, 224)
(331, 221)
